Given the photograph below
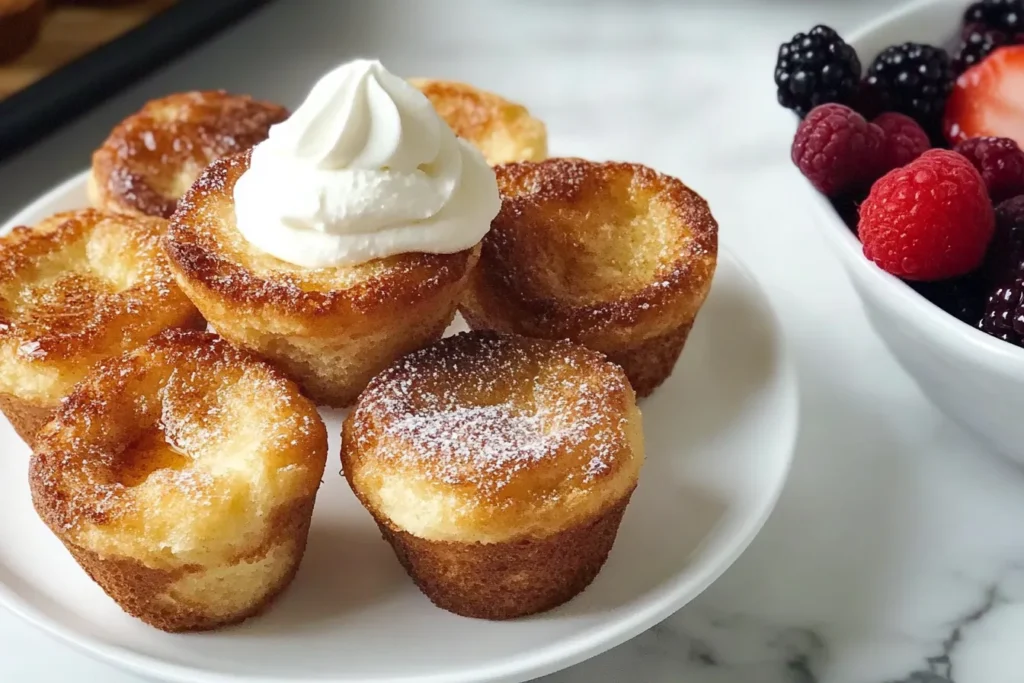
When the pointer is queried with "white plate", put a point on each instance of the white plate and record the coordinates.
(720, 437)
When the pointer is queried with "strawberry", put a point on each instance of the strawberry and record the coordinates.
(988, 99)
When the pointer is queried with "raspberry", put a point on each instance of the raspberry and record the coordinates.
(1001, 163)
(929, 220)
(905, 140)
(837, 149)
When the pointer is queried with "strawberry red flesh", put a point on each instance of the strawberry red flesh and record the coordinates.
(988, 99)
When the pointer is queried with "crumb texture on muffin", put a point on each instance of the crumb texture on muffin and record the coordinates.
(483, 438)
(79, 287)
(151, 158)
(612, 255)
(331, 329)
(502, 130)
(182, 477)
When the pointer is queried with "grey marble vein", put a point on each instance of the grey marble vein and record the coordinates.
(940, 667)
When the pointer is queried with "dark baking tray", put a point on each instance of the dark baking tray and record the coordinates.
(31, 113)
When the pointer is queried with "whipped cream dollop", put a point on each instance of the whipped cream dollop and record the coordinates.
(364, 169)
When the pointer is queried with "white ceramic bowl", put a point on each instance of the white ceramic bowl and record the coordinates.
(977, 380)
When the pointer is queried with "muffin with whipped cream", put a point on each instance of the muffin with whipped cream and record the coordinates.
(344, 240)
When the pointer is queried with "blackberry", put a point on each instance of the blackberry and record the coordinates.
(1007, 248)
(988, 25)
(962, 297)
(1006, 16)
(914, 79)
(1004, 312)
(848, 208)
(1004, 271)
(815, 68)
(978, 43)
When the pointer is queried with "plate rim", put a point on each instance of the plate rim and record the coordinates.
(551, 658)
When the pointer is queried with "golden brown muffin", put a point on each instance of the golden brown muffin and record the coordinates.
(181, 476)
(20, 23)
(614, 256)
(497, 467)
(330, 329)
(503, 131)
(152, 157)
(79, 287)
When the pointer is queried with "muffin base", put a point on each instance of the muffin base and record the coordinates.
(324, 366)
(651, 362)
(511, 579)
(647, 364)
(26, 417)
(143, 592)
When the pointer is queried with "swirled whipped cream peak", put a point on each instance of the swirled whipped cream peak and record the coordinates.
(364, 169)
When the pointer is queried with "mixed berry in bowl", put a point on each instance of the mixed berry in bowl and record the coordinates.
(920, 152)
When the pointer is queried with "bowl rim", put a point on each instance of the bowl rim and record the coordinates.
(897, 295)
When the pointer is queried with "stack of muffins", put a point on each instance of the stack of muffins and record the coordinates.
(180, 467)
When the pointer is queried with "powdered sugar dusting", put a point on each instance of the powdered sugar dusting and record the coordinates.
(482, 410)
(492, 440)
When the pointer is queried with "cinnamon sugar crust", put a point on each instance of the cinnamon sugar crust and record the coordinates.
(151, 158)
(611, 255)
(502, 130)
(182, 477)
(79, 287)
(331, 329)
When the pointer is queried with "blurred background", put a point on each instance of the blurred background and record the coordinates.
(595, 70)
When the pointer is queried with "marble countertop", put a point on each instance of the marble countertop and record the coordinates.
(896, 554)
